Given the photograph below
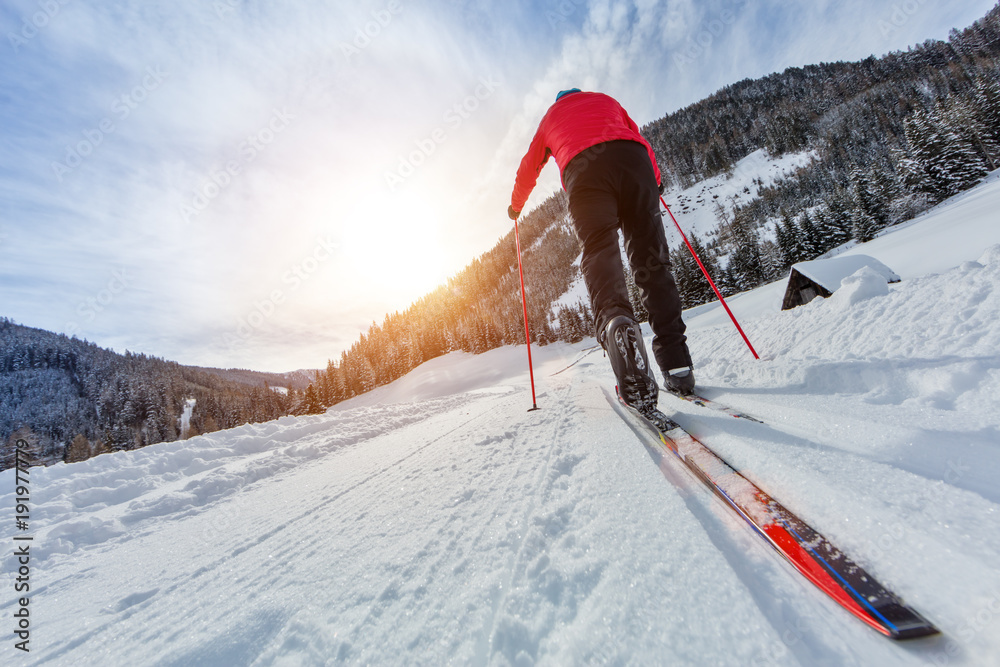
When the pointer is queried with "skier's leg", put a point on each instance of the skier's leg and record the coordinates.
(594, 208)
(592, 181)
(649, 256)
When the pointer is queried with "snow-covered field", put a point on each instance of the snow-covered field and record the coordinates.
(437, 521)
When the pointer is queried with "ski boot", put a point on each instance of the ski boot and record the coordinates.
(622, 339)
(680, 381)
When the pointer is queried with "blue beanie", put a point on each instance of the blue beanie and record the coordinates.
(567, 92)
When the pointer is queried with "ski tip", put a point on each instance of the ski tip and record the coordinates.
(918, 632)
(902, 623)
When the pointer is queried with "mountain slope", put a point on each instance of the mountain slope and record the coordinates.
(70, 399)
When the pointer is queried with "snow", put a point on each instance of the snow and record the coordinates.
(437, 521)
(185, 419)
(574, 296)
(696, 207)
(951, 233)
(830, 272)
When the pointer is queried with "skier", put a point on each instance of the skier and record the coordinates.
(613, 182)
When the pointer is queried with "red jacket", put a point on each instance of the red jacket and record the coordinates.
(574, 123)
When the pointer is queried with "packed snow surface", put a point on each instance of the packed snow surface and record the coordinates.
(437, 521)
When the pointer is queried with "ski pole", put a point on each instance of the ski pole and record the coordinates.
(710, 281)
(524, 305)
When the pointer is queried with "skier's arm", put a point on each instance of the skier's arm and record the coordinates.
(652, 157)
(527, 174)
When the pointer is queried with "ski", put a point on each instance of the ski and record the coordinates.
(811, 554)
(708, 403)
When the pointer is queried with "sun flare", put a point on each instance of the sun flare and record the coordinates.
(400, 253)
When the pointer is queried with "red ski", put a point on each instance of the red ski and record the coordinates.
(810, 553)
(708, 403)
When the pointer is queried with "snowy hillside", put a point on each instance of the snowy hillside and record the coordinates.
(436, 521)
(696, 208)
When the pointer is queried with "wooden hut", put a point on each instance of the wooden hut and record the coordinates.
(822, 277)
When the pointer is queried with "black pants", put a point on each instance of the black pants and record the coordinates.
(612, 186)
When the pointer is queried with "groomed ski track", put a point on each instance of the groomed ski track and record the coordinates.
(460, 529)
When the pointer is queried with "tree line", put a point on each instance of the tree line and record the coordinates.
(70, 399)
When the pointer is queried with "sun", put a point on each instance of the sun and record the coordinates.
(399, 250)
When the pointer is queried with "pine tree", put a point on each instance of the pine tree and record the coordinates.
(966, 118)
(310, 402)
(987, 98)
(810, 242)
(868, 214)
(869, 202)
(785, 234)
(821, 231)
(700, 289)
(950, 163)
(913, 174)
(962, 164)
(78, 450)
(745, 264)
(864, 227)
(926, 149)
(771, 261)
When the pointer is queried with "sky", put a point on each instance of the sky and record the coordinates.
(245, 184)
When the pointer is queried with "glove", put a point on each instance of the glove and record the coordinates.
(512, 214)
(660, 188)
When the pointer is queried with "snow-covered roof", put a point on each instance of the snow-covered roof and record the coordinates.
(829, 272)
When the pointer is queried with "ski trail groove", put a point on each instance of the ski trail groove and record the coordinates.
(71, 643)
(557, 424)
(334, 498)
